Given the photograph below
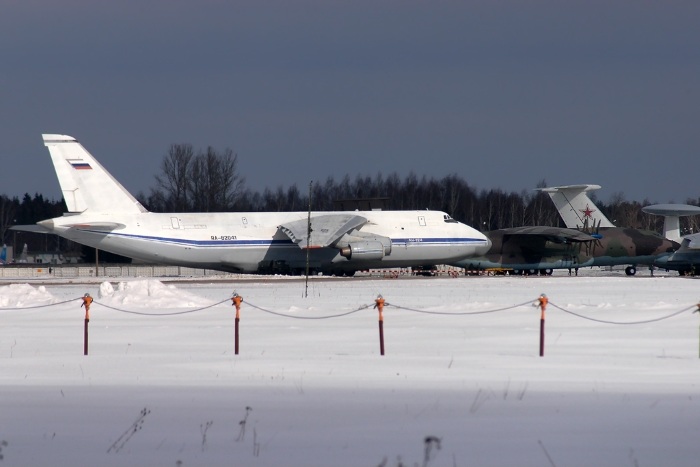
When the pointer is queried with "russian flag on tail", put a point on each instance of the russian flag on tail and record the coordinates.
(78, 164)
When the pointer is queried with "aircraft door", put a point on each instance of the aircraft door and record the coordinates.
(421, 221)
(174, 222)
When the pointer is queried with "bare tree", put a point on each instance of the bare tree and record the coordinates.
(206, 182)
(226, 184)
(540, 209)
(174, 180)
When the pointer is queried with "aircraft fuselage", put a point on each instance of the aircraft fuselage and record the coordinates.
(250, 241)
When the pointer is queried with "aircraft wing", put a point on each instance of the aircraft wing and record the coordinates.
(326, 230)
(553, 234)
(31, 228)
(46, 227)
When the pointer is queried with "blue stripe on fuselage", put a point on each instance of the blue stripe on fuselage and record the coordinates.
(261, 242)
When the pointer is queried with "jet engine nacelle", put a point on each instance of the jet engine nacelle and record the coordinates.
(363, 250)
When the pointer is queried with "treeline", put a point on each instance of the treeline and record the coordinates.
(483, 209)
(209, 181)
(29, 210)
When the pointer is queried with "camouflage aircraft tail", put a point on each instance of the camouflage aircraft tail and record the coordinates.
(575, 207)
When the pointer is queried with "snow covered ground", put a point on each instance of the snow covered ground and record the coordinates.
(453, 389)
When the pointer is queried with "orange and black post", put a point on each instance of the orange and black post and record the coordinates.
(379, 305)
(236, 301)
(542, 302)
(87, 301)
(698, 311)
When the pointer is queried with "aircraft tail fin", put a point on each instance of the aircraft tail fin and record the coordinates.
(575, 207)
(86, 185)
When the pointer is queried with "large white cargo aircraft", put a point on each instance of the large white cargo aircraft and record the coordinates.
(103, 214)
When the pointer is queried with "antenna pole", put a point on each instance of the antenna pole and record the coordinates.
(308, 238)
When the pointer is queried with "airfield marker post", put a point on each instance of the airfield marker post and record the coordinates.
(235, 337)
(379, 305)
(87, 301)
(698, 311)
(236, 301)
(542, 302)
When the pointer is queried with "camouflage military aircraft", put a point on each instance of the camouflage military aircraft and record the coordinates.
(534, 250)
(623, 245)
(685, 260)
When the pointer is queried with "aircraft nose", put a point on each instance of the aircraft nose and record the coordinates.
(485, 247)
(477, 244)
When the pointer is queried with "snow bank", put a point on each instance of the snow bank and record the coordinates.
(24, 295)
(149, 294)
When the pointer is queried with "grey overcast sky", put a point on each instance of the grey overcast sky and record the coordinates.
(501, 93)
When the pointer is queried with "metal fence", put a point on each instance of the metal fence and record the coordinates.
(39, 271)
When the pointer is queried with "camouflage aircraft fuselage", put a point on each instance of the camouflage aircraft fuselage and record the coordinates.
(608, 247)
(618, 245)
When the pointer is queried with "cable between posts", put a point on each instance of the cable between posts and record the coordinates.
(363, 307)
(143, 313)
(459, 313)
(619, 322)
(38, 306)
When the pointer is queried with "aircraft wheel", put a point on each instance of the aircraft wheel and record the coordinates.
(630, 270)
(546, 272)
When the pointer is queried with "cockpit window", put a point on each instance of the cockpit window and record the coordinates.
(449, 219)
